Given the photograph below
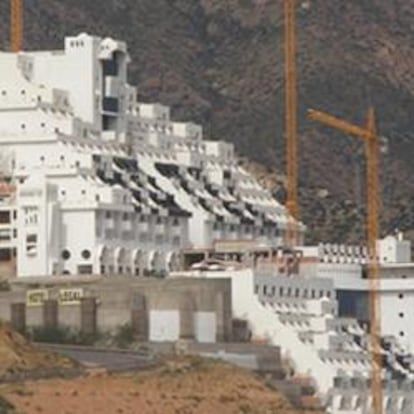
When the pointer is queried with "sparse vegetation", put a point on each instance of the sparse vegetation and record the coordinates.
(4, 286)
(61, 335)
(124, 335)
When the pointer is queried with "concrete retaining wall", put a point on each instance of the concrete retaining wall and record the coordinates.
(124, 300)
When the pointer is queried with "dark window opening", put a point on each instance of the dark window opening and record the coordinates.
(31, 238)
(4, 217)
(110, 104)
(85, 269)
(108, 123)
(65, 254)
(5, 255)
(86, 254)
(110, 67)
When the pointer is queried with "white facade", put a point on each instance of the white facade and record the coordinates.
(300, 314)
(346, 266)
(106, 184)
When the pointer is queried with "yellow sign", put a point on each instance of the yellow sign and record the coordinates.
(70, 296)
(36, 297)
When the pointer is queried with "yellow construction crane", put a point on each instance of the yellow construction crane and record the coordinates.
(292, 203)
(371, 139)
(16, 25)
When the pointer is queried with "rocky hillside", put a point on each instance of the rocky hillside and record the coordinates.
(220, 62)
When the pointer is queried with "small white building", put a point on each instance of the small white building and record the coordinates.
(108, 185)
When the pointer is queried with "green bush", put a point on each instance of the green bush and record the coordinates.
(124, 335)
(58, 335)
(61, 335)
(4, 286)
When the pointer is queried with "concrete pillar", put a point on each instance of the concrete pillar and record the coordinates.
(219, 309)
(50, 314)
(187, 308)
(18, 316)
(139, 317)
(88, 316)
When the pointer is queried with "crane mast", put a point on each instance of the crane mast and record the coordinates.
(16, 25)
(370, 137)
(291, 119)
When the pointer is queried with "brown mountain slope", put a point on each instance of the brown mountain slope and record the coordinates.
(220, 62)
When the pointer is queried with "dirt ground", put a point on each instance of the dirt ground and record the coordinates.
(17, 355)
(183, 386)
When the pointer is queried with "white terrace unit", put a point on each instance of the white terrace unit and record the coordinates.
(106, 184)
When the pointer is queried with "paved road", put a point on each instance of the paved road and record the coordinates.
(111, 360)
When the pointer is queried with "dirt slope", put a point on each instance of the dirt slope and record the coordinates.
(18, 356)
(189, 386)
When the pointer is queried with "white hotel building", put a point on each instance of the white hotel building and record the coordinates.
(105, 184)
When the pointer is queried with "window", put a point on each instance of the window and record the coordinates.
(4, 217)
(65, 254)
(281, 291)
(401, 296)
(108, 214)
(401, 314)
(85, 269)
(23, 126)
(97, 198)
(401, 333)
(264, 289)
(297, 292)
(125, 216)
(31, 238)
(86, 254)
